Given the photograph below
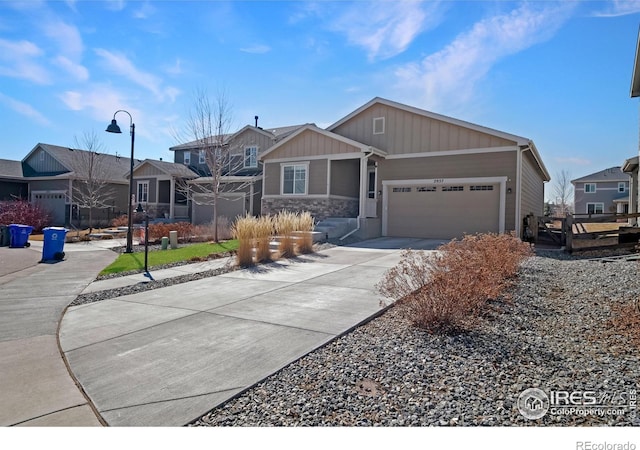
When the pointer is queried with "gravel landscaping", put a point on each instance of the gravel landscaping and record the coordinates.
(555, 334)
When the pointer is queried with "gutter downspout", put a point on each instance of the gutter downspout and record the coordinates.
(363, 172)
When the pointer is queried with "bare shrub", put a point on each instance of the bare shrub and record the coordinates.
(24, 213)
(159, 230)
(206, 232)
(447, 291)
(120, 221)
(244, 229)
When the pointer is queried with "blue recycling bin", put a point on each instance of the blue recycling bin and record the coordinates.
(53, 243)
(19, 235)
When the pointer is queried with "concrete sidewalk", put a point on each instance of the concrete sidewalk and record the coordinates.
(164, 357)
(37, 389)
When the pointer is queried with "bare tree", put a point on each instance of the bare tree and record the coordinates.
(91, 187)
(207, 133)
(563, 192)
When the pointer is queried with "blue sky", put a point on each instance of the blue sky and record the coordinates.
(556, 72)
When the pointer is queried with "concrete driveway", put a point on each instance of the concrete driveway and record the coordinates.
(37, 389)
(166, 356)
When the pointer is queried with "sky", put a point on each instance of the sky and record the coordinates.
(557, 72)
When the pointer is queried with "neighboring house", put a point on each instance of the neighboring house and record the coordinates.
(630, 166)
(54, 174)
(156, 187)
(12, 184)
(404, 171)
(241, 181)
(603, 192)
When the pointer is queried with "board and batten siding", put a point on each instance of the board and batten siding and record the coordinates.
(311, 143)
(148, 170)
(532, 187)
(458, 166)
(408, 132)
(42, 162)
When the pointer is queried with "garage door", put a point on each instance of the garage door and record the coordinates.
(54, 203)
(442, 211)
(229, 206)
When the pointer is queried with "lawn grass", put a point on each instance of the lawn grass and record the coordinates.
(185, 253)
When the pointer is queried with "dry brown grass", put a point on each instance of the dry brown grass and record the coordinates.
(263, 235)
(449, 290)
(304, 227)
(285, 224)
(244, 230)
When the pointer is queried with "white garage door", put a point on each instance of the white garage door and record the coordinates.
(54, 203)
(442, 211)
(229, 206)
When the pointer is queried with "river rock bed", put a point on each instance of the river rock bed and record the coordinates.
(558, 333)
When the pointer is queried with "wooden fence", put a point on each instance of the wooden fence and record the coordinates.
(580, 231)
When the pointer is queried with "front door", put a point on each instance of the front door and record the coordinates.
(372, 197)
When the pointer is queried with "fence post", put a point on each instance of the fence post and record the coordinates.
(569, 232)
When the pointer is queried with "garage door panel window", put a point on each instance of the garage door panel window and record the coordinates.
(294, 179)
(595, 208)
(426, 189)
(452, 188)
(401, 189)
(481, 188)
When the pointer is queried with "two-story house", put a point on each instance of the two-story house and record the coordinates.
(240, 173)
(603, 192)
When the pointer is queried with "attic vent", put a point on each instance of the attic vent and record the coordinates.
(378, 125)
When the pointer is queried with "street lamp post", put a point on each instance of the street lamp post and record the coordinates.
(146, 237)
(114, 128)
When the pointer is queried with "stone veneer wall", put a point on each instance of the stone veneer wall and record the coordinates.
(320, 208)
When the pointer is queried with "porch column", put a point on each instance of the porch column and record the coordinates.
(172, 198)
(633, 196)
(363, 186)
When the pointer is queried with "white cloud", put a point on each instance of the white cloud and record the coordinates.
(449, 77)
(66, 36)
(121, 65)
(101, 101)
(18, 60)
(175, 69)
(258, 48)
(617, 8)
(78, 71)
(24, 109)
(385, 29)
(144, 11)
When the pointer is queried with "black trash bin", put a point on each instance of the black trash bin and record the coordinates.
(4, 236)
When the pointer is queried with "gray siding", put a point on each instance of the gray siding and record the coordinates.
(605, 193)
(532, 184)
(49, 185)
(457, 166)
(407, 132)
(42, 162)
(345, 177)
(311, 143)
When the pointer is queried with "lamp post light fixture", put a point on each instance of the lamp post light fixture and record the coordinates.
(146, 237)
(114, 128)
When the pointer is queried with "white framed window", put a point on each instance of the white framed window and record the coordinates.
(202, 155)
(187, 157)
(589, 188)
(294, 179)
(622, 186)
(143, 192)
(595, 208)
(251, 156)
(378, 125)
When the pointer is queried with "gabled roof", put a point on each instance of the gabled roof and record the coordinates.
(635, 75)
(378, 100)
(630, 164)
(329, 134)
(611, 174)
(116, 168)
(170, 168)
(10, 169)
(215, 140)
